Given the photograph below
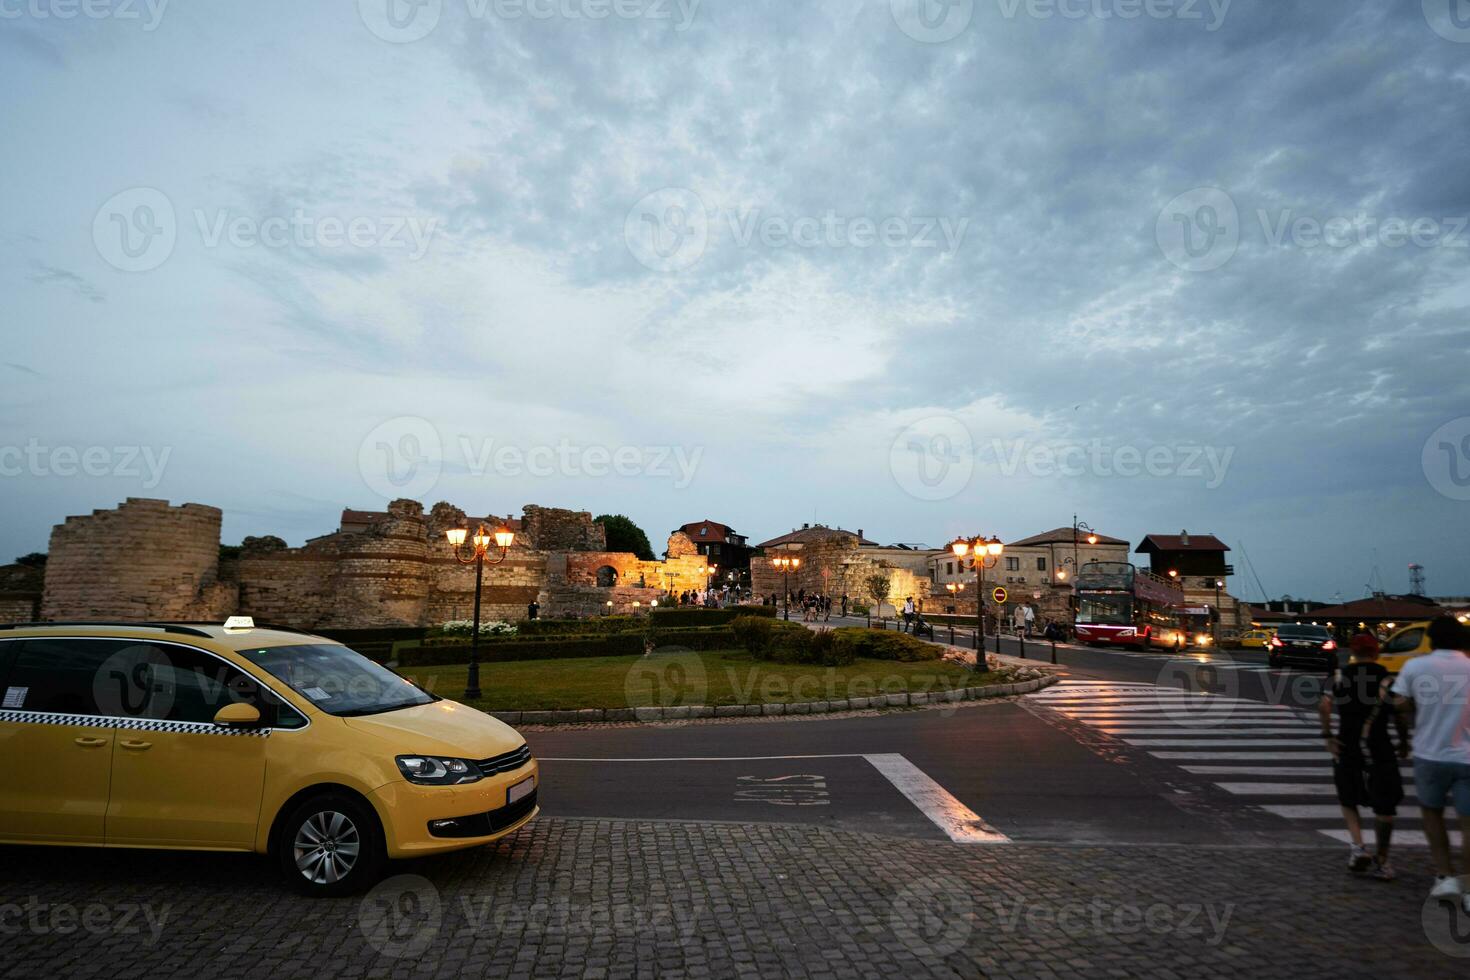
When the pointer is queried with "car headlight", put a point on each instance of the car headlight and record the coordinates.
(433, 770)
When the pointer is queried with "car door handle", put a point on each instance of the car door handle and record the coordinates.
(137, 746)
(90, 743)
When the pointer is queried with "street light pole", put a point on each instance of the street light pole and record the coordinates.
(984, 553)
(481, 545)
(786, 565)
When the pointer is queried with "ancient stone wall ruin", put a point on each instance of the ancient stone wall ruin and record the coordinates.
(835, 565)
(143, 560)
(147, 560)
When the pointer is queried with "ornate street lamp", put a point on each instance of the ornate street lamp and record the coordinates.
(481, 544)
(786, 565)
(709, 571)
(983, 553)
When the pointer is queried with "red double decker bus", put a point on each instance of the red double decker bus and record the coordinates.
(1120, 605)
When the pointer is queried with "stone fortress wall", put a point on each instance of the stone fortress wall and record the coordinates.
(835, 565)
(147, 560)
(144, 560)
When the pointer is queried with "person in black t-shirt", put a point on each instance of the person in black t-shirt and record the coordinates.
(1365, 765)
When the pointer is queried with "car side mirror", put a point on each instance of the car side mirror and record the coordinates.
(237, 714)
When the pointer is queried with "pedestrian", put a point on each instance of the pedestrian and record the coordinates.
(1365, 767)
(908, 614)
(533, 610)
(1030, 615)
(844, 604)
(1434, 690)
(826, 609)
(1018, 619)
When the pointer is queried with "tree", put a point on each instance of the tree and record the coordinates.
(36, 559)
(625, 536)
(879, 584)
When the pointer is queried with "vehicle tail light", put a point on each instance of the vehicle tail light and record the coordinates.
(1276, 642)
(1330, 645)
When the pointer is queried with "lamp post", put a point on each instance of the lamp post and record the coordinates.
(1077, 528)
(983, 553)
(786, 565)
(481, 546)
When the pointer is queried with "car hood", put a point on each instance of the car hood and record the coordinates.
(441, 728)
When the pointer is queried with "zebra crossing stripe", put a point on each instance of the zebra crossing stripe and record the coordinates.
(1270, 771)
(1285, 757)
(1130, 730)
(1279, 789)
(1227, 742)
(1400, 839)
(1325, 811)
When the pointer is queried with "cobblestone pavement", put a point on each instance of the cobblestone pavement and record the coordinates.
(599, 898)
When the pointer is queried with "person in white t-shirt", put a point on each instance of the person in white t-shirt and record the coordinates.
(1436, 693)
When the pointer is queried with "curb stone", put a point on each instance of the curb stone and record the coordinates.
(682, 712)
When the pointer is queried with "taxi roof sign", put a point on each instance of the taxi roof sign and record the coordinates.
(240, 623)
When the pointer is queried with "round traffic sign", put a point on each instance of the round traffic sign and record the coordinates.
(1000, 595)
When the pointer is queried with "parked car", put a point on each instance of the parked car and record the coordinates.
(1403, 645)
(1256, 639)
(232, 738)
(1302, 643)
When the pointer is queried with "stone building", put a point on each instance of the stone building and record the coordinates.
(147, 560)
(1037, 571)
(834, 562)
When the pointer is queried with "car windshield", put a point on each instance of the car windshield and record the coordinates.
(1302, 632)
(338, 680)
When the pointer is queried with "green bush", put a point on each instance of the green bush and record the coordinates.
(546, 648)
(696, 616)
(869, 644)
(827, 651)
(792, 643)
(697, 639)
(754, 634)
(583, 627)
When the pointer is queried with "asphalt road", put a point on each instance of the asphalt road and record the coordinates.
(1014, 768)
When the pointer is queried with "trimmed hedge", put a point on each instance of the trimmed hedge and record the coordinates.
(695, 616)
(698, 639)
(548, 648)
(582, 627)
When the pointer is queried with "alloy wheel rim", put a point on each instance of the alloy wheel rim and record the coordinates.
(326, 847)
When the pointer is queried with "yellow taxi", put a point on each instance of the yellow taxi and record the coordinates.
(1255, 639)
(233, 738)
(1404, 645)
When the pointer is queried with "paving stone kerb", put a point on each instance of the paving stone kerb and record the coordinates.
(614, 898)
(656, 714)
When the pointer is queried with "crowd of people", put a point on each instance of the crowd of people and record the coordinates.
(717, 597)
(815, 607)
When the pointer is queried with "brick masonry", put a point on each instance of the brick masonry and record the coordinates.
(149, 560)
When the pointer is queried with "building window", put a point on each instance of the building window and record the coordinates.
(1013, 564)
(1041, 564)
(949, 568)
(704, 532)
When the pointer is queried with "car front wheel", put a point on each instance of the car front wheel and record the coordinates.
(331, 845)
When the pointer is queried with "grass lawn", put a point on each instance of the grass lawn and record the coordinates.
(713, 678)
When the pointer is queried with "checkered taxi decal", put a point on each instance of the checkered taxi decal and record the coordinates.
(127, 724)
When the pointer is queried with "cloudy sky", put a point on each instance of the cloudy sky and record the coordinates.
(922, 267)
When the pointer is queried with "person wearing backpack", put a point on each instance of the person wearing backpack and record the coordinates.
(1365, 764)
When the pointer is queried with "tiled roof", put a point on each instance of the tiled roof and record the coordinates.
(1061, 535)
(814, 533)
